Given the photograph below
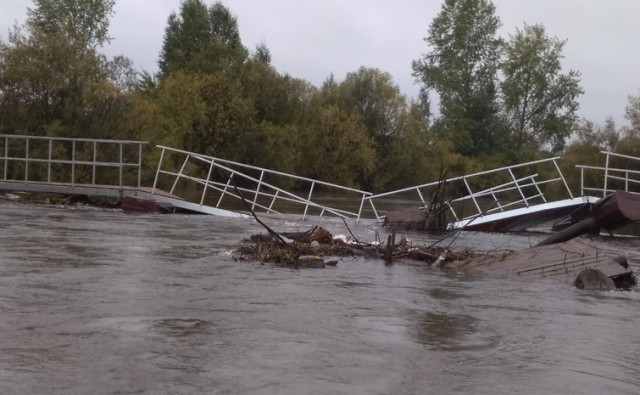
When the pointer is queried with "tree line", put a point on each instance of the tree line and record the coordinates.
(501, 100)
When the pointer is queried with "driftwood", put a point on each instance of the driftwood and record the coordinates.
(391, 244)
(308, 251)
(316, 233)
(248, 206)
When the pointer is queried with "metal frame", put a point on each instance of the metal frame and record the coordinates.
(6, 159)
(629, 177)
(528, 188)
(237, 170)
(521, 185)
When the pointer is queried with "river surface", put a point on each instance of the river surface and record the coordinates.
(101, 302)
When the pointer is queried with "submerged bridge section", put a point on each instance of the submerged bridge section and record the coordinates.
(223, 183)
(509, 198)
(90, 167)
(183, 181)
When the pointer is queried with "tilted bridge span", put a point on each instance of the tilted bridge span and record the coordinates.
(191, 182)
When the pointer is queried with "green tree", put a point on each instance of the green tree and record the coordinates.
(413, 156)
(462, 69)
(336, 147)
(262, 54)
(173, 110)
(629, 142)
(587, 142)
(228, 103)
(540, 102)
(224, 126)
(370, 95)
(84, 23)
(632, 114)
(279, 105)
(201, 38)
(276, 98)
(53, 80)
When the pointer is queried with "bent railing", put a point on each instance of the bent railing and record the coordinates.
(211, 180)
(519, 190)
(71, 160)
(617, 174)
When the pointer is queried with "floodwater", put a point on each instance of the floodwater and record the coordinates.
(100, 302)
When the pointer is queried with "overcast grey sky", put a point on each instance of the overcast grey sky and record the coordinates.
(310, 39)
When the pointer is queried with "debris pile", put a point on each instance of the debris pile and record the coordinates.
(574, 262)
(318, 248)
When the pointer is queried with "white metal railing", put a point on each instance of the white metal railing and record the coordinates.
(614, 178)
(526, 187)
(262, 190)
(51, 151)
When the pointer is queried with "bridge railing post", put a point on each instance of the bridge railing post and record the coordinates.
(155, 179)
(49, 161)
(306, 207)
(206, 184)
(26, 159)
(179, 175)
(224, 192)
(93, 167)
(564, 181)
(364, 195)
(6, 156)
(139, 164)
(606, 175)
(121, 164)
(257, 193)
(473, 195)
(73, 162)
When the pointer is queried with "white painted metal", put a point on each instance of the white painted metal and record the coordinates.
(537, 208)
(96, 187)
(529, 188)
(616, 176)
(262, 188)
(28, 157)
(521, 186)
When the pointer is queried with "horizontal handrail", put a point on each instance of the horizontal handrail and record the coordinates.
(293, 196)
(27, 156)
(610, 174)
(516, 184)
(613, 169)
(459, 178)
(68, 162)
(262, 189)
(82, 140)
(275, 172)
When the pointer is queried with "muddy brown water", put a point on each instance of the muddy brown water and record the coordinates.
(100, 302)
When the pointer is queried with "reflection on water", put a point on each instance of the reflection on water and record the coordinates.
(106, 303)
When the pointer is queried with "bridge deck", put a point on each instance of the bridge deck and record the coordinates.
(519, 219)
(561, 262)
(114, 191)
(29, 163)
